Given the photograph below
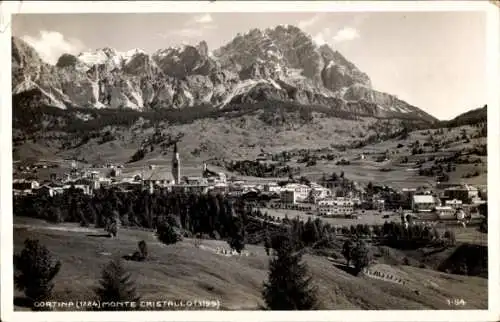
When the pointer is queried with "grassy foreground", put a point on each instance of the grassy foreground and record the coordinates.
(184, 272)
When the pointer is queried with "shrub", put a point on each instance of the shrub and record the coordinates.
(237, 243)
(138, 155)
(167, 234)
(34, 269)
(449, 235)
(360, 256)
(143, 249)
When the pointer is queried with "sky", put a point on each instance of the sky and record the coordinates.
(432, 60)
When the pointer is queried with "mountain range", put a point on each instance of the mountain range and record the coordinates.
(275, 64)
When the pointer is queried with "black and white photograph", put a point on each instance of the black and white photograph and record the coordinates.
(259, 159)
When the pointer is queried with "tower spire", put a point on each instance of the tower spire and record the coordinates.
(176, 167)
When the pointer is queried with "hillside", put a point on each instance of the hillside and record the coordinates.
(472, 117)
(183, 271)
(246, 131)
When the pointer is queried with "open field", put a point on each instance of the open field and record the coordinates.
(182, 271)
(470, 234)
(369, 217)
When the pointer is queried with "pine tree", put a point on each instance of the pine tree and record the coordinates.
(267, 242)
(288, 287)
(347, 250)
(116, 284)
(237, 238)
(35, 268)
(143, 249)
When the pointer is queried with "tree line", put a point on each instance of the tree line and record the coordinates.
(258, 169)
(210, 214)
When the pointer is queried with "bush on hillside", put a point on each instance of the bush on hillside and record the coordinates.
(360, 256)
(138, 155)
(167, 234)
(143, 249)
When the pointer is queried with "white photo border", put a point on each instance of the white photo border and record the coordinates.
(7, 8)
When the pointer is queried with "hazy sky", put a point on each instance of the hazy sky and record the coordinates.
(433, 60)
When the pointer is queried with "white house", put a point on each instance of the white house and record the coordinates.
(221, 188)
(454, 203)
(272, 187)
(21, 184)
(379, 204)
(463, 192)
(445, 212)
(423, 203)
(334, 207)
(318, 192)
(302, 191)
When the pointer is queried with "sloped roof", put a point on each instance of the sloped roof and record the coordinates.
(423, 199)
(156, 174)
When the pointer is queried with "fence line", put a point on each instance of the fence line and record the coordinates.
(385, 276)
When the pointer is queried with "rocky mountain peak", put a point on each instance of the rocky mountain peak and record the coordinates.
(280, 63)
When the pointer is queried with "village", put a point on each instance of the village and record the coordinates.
(330, 198)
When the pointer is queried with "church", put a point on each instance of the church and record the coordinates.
(208, 180)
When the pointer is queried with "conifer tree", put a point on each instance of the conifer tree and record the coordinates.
(267, 242)
(347, 250)
(116, 284)
(237, 239)
(288, 287)
(143, 249)
(34, 270)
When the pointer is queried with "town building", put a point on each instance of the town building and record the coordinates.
(189, 188)
(196, 180)
(301, 190)
(379, 204)
(50, 190)
(445, 212)
(333, 207)
(454, 203)
(463, 192)
(213, 177)
(272, 187)
(407, 197)
(219, 188)
(423, 203)
(318, 192)
(288, 196)
(22, 184)
(158, 178)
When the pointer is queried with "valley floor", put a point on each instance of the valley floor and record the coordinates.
(185, 272)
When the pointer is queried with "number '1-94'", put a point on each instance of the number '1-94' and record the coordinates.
(456, 302)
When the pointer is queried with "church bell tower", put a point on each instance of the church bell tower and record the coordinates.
(176, 166)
